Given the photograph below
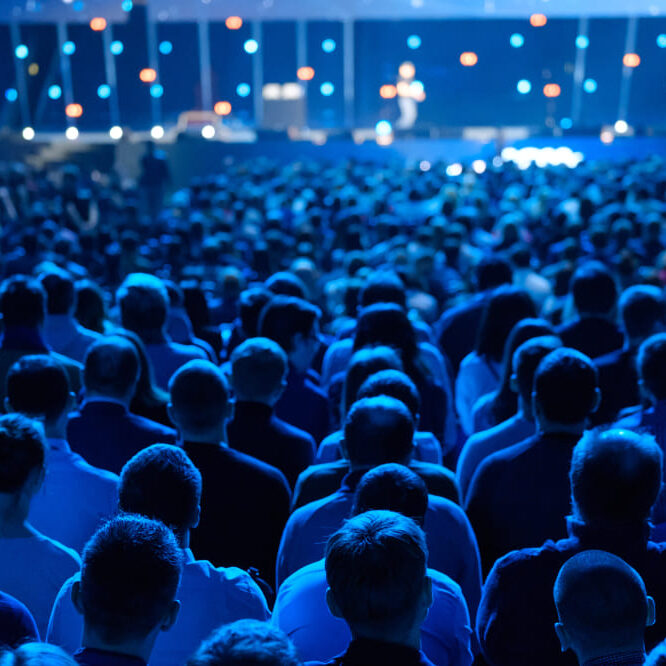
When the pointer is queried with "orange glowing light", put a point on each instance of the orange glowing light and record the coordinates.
(468, 59)
(148, 75)
(538, 20)
(388, 91)
(74, 110)
(222, 108)
(631, 60)
(234, 22)
(98, 24)
(552, 90)
(305, 73)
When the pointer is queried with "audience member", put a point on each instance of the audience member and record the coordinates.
(602, 610)
(32, 566)
(246, 643)
(161, 483)
(36, 654)
(258, 378)
(615, 479)
(519, 497)
(16, 623)
(244, 502)
(75, 497)
(103, 430)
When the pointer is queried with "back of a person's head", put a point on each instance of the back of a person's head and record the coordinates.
(258, 368)
(111, 367)
(615, 477)
(505, 308)
(285, 283)
(378, 430)
(161, 482)
(90, 307)
(36, 654)
(492, 272)
(363, 364)
(60, 292)
(383, 287)
(38, 386)
(22, 452)
(250, 305)
(643, 310)
(199, 395)
(129, 578)
(526, 360)
(652, 365)
(395, 384)
(375, 569)
(565, 387)
(283, 317)
(143, 300)
(392, 487)
(593, 289)
(602, 604)
(386, 324)
(22, 302)
(246, 643)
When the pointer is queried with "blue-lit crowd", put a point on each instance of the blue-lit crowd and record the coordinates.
(344, 413)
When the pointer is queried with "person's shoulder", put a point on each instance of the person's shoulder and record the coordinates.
(289, 431)
(519, 563)
(229, 579)
(54, 551)
(444, 585)
(87, 471)
(254, 466)
(148, 424)
(312, 511)
(69, 363)
(191, 352)
(323, 470)
(429, 469)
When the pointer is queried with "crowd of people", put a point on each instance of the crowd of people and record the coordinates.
(345, 414)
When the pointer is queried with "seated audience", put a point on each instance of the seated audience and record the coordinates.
(32, 566)
(17, 625)
(161, 482)
(143, 301)
(36, 654)
(61, 330)
(294, 324)
(245, 502)
(379, 585)
(514, 430)
(246, 643)
(594, 332)
(378, 431)
(300, 608)
(23, 309)
(258, 378)
(602, 610)
(75, 497)
(127, 591)
(615, 479)
(103, 430)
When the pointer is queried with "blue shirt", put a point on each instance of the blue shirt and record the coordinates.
(166, 357)
(65, 336)
(301, 612)
(477, 376)
(451, 542)
(74, 499)
(209, 598)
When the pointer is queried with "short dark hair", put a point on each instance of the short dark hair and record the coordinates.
(642, 308)
(250, 305)
(22, 302)
(374, 566)
(395, 384)
(593, 289)
(392, 487)
(60, 292)
(111, 366)
(129, 577)
(285, 283)
(161, 482)
(526, 360)
(363, 364)
(283, 317)
(652, 365)
(38, 386)
(378, 430)
(199, 394)
(493, 271)
(601, 601)
(615, 476)
(383, 287)
(144, 301)
(22, 450)
(246, 643)
(565, 386)
(258, 367)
